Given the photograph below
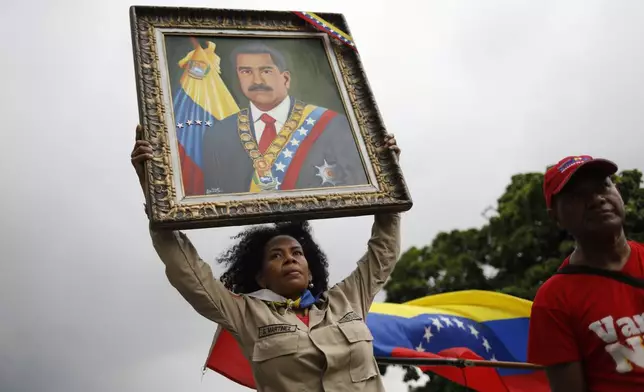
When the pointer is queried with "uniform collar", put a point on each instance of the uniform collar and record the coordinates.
(267, 295)
(272, 297)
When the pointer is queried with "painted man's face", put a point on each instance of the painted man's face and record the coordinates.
(261, 81)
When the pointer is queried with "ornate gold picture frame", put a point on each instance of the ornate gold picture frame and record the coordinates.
(256, 116)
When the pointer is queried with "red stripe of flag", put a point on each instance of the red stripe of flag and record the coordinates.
(191, 174)
(481, 379)
(227, 359)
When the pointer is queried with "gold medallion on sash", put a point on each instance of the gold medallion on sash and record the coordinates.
(263, 179)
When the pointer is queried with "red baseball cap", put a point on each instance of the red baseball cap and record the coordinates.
(557, 176)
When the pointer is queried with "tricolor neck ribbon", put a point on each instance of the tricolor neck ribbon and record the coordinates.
(304, 302)
(322, 25)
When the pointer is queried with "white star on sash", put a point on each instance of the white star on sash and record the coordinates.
(287, 153)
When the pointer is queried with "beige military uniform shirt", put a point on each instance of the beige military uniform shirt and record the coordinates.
(334, 353)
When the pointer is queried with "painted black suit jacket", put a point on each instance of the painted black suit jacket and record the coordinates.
(227, 168)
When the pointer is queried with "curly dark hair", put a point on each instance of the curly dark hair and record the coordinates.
(244, 259)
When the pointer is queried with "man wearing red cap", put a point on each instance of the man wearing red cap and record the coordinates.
(587, 321)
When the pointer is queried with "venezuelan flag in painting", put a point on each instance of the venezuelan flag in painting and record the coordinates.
(475, 325)
(202, 99)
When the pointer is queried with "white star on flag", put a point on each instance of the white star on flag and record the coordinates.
(179, 125)
(486, 344)
(208, 123)
(310, 121)
(437, 324)
(447, 321)
(280, 166)
(295, 142)
(493, 359)
(287, 153)
(198, 122)
(473, 331)
(302, 131)
(420, 347)
(428, 333)
(189, 122)
(459, 323)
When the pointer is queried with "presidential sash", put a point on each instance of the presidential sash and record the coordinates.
(272, 166)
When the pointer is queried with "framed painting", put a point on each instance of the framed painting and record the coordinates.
(257, 116)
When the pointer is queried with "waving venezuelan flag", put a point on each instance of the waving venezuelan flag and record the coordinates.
(472, 324)
(202, 100)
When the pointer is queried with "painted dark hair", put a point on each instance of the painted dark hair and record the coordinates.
(244, 260)
(259, 48)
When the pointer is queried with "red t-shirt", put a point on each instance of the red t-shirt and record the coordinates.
(595, 320)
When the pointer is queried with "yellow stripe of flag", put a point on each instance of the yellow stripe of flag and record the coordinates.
(477, 305)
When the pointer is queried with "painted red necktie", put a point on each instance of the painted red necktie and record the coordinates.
(269, 134)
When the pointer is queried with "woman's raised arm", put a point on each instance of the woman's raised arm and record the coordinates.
(383, 249)
(376, 265)
(185, 270)
(193, 278)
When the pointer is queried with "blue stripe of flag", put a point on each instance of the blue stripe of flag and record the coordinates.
(191, 136)
(506, 340)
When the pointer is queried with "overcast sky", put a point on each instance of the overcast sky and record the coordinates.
(474, 91)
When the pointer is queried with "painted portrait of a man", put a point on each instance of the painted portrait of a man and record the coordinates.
(242, 128)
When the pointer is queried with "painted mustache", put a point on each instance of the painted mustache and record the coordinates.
(260, 87)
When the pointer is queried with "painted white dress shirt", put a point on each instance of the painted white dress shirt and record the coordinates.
(279, 113)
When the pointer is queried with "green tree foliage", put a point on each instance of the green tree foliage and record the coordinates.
(521, 244)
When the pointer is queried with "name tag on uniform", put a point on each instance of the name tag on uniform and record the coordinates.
(351, 316)
(275, 329)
